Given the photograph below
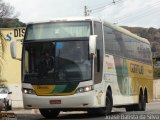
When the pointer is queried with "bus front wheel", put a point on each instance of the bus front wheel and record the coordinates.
(105, 110)
(109, 103)
(49, 113)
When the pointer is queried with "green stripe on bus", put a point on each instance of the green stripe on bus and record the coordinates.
(59, 89)
(64, 88)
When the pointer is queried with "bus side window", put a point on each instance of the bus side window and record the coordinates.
(113, 41)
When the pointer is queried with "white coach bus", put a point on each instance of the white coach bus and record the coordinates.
(84, 64)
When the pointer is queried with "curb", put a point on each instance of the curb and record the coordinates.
(156, 100)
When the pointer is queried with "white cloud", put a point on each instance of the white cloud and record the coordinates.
(128, 12)
(46, 9)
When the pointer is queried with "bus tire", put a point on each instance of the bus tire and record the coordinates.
(49, 113)
(129, 108)
(144, 102)
(141, 106)
(96, 111)
(105, 110)
(109, 103)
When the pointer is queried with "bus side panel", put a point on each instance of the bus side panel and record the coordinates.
(126, 77)
(124, 82)
(116, 76)
(142, 77)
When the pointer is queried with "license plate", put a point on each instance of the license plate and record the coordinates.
(55, 101)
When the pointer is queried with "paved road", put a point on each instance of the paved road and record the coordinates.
(152, 112)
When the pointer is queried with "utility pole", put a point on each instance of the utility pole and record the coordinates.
(85, 11)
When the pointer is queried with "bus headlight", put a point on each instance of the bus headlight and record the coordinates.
(84, 89)
(28, 91)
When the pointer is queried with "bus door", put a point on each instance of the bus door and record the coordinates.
(98, 60)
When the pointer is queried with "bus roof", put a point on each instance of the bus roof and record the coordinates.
(120, 29)
(89, 18)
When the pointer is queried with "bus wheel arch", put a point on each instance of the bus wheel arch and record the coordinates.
(109, 89)
(106, 109)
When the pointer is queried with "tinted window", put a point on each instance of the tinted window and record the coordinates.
(113, 41)
(43, 31)
(51, 62)
(123, 45)
(137, 50)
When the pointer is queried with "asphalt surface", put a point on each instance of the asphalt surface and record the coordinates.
(152, 112)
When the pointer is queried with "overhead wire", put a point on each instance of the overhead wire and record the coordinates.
(99, 9)
(127, 17)
(146, 15)
(141, 17)
(102, 6)
(122, 18)
(140, 14)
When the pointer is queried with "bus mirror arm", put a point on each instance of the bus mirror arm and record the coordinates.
(18, 59)
(92, 45)
(14, 51)
(98, 60)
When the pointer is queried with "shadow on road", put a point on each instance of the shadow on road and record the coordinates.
(65, 116)
(85, 116)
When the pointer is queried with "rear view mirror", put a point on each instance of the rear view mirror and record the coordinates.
(92, 44)
(13, 49)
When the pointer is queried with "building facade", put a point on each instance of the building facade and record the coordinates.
(10, 69)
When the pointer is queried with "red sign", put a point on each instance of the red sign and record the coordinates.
(55, 101)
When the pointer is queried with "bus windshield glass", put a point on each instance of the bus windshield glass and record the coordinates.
(56, 62)
(47, 31)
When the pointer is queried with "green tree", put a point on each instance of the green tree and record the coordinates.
(156, 69)
(8, 16)
(10, 22)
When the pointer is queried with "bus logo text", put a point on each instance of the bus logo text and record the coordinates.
(136, 69)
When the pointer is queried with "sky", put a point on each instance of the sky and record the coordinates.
(135, 13)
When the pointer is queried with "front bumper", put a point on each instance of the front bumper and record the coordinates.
(79, 100)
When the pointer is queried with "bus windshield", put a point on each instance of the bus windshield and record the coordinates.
(47, 31)
(56, 62)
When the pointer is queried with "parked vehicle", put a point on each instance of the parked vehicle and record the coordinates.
(1, 106)
(5, 98)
